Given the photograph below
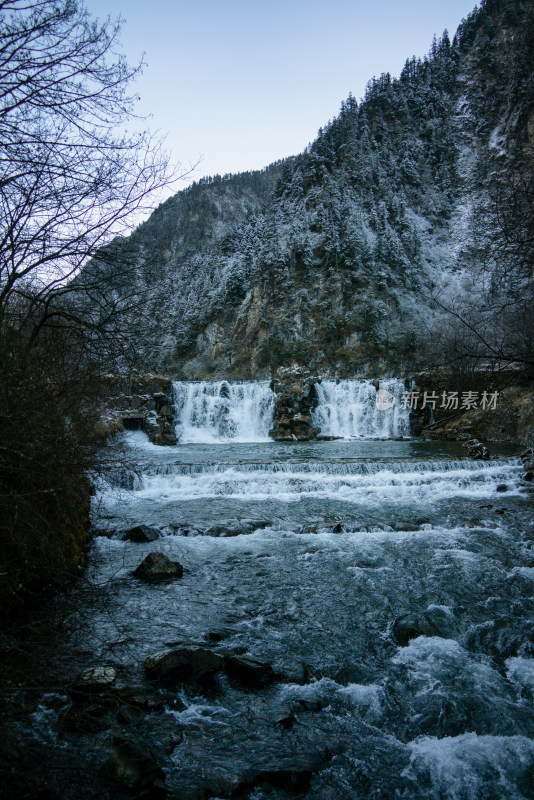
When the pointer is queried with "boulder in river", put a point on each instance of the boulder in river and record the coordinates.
(295, 397)
(477, 450)
(141, 533)
(134, 768)
(528, 459)
(94, 680)
(158, 567)
(183, 664)
(248, 671)
(432, 622)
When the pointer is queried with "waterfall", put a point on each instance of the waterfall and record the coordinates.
(348, 409)
(242, 411)
(223, 411)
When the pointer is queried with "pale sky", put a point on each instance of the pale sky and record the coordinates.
(240, 84)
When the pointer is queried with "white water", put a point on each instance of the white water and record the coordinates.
(348, 409)
(210, 412)
(363, 484)
(223, 411)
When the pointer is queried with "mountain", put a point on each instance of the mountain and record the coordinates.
(335, 258)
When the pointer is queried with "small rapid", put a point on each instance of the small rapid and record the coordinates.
(358, 484)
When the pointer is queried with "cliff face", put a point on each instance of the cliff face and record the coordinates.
(330, 258)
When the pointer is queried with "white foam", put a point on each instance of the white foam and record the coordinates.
(521, 670)
(419, 483)
(470, 767)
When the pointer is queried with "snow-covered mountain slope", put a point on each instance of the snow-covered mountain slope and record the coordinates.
(330, 258)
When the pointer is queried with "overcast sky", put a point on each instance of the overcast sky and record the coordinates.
(240, 84)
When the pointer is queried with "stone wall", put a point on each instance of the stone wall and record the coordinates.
(141, 402)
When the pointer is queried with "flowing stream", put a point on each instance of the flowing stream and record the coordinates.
(388, 582)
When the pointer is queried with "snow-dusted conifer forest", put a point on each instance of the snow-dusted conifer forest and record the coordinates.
(351, 256)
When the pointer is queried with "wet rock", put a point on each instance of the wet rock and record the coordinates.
(528, 459)
(220, 634)
(251, 525)
(134, 768)
(160, 429)
(163, 732)
(338, 528)
(435, 620)
(411, 626)
(233, 650)
(236, 527)
(127, 715)
(477, 450)
(296, 395)
(92, 681)
(85, 717)
(158, 567)
(502, 487)
(287, 719)
(248, 671)
(179, 529)
(183, 664)
(140, 698)
(95, 707)
(141, 533)
(528, 476)
(108, 533)
(500, 638)
(141, 403)
(224, 530)
(96, 678)
(291, 773)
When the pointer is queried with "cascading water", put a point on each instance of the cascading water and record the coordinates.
(222, 411)
(348, 409)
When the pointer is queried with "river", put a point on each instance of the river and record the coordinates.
(388, 581)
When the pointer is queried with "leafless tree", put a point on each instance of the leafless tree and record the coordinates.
(72, 174)
(74, 178)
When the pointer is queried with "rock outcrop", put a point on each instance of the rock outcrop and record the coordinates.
(510, 419)
(141, 402)
(294, 388)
